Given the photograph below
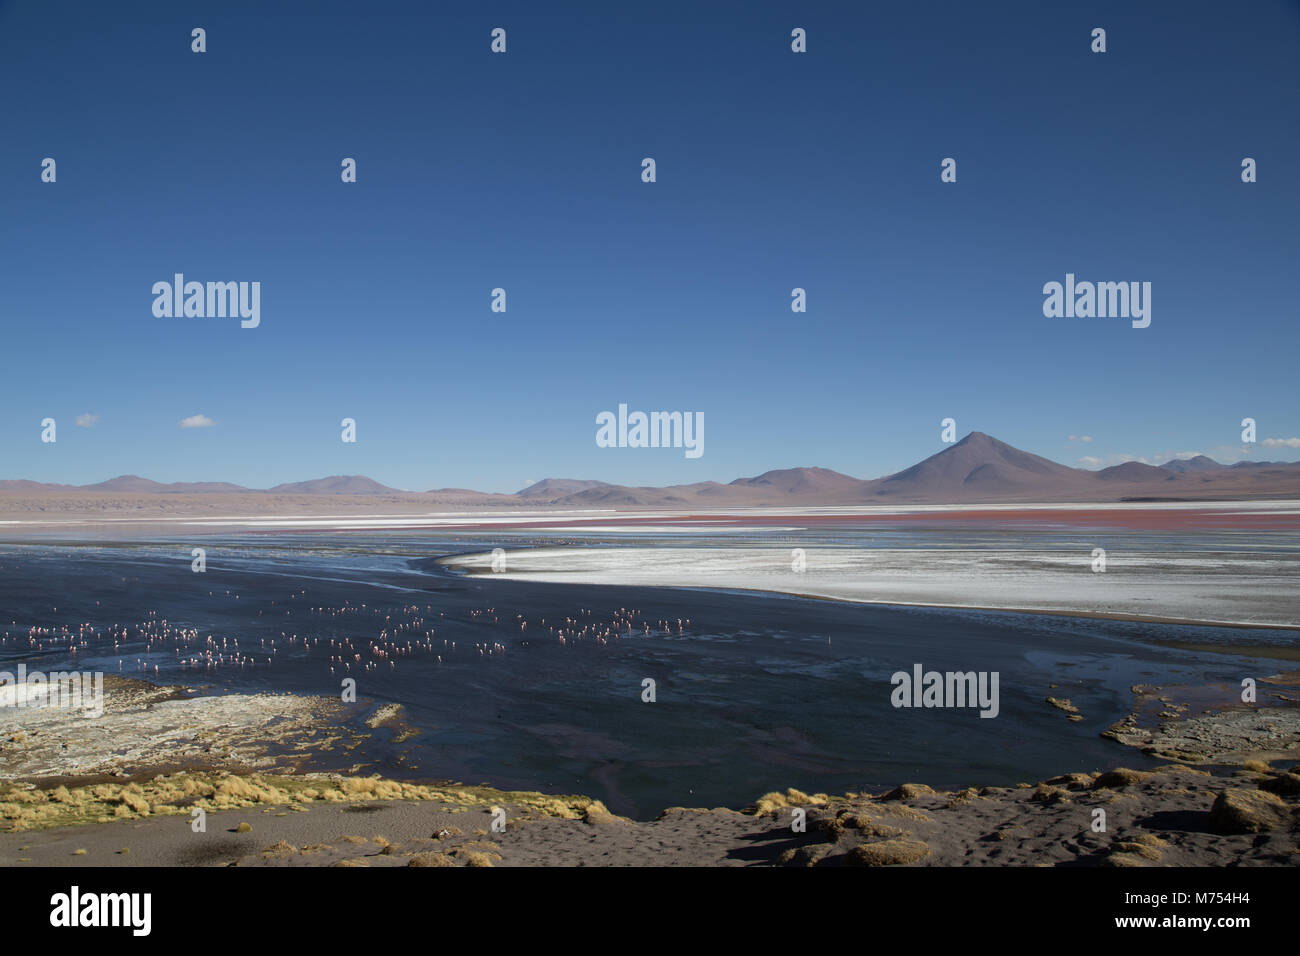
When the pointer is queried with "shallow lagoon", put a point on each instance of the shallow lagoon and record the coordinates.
(757, 692)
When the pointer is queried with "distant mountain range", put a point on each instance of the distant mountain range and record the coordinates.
(977, 469)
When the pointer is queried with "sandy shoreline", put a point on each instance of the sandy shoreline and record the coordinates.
(1231, 797)
(1173, 816)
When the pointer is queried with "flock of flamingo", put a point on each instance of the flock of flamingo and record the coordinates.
(403, 633)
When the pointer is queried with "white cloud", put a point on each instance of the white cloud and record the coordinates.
(197, 421)
(1082, 438)
(1281, 442)
(87, 420)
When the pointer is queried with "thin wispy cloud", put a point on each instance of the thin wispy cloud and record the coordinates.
(1082, 438)
(1281, 442)
(197, 421)
(87, 420)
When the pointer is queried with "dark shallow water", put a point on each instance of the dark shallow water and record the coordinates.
(757, 693)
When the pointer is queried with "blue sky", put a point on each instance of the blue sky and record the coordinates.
(522, 171)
